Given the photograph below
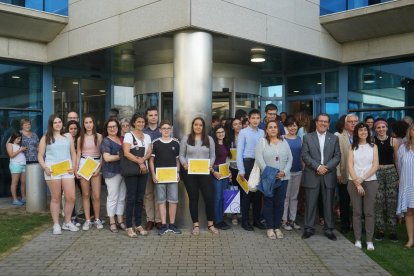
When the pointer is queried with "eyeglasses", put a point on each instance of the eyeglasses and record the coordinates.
(165, 128)
(352, 122)
(220, 132)
(112, 127)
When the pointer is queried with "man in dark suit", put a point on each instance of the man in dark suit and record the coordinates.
(321, 155)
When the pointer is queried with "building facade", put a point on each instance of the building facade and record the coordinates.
(196, 57)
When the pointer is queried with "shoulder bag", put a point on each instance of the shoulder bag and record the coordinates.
(128, 167)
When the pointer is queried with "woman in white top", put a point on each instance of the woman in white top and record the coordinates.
(17, 166)
(363, 185)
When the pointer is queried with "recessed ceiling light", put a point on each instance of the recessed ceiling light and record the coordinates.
(295, 91)
(319, 83)
(82, 93)
(54, 91)
(15, 77)
(102, 91)
(75, 82)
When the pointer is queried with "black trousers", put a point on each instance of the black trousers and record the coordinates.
(251, 198)
(195, 183)
(135, 190)
(344, 202)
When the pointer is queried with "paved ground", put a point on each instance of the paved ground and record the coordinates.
(233, 252)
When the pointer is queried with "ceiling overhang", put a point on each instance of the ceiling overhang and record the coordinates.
(389, 18)
(28, 24)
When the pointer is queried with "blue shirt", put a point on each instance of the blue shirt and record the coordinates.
(280, 126)
(153, 133)
(246, 145)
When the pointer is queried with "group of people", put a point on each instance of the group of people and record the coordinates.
(363, 163)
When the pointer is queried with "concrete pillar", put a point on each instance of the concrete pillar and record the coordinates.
(192, 97)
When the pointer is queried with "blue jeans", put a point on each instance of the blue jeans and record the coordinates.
(273, 206)
(219, 187)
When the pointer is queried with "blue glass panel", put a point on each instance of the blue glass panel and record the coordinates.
(52, 6)
(333, 6)
(57, 6)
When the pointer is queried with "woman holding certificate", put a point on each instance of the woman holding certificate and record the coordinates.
(197, 154)
(137, 142)
(221, 175)
(89, 143)
(111, 171)
(273, 154)
(60, 156)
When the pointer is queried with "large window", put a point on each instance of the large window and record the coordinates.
(20, 97)
(382, 89)
(84, 96)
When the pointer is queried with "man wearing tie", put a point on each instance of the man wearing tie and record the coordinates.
(321, 155)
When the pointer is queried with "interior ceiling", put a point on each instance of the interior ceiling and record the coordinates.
(159, 50)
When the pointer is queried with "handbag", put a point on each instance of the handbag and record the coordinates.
(128, 167)
(254, 178)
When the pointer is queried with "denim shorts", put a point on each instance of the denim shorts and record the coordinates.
(167, 192)
(17, 168)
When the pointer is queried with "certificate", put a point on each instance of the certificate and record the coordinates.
(224, 170)
(243, 184)
(198, 166)
(88, 168)
(61, 168)
(166, 174)
(233, 152)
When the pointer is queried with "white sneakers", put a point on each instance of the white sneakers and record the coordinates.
(70, 227)
(98, 224)
(87, 225)
(57, 230)
(370, 246)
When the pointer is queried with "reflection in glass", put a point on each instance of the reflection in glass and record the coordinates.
(221, 104)
(304, 85)
(246, 101)
(20, 86)
(52, 6)
(65, 96)
(332, 108)
(382, 87)
(143, 101)
(124, 96)
(331, 82)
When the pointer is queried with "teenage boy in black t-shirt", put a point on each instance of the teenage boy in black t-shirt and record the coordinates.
(165, 151)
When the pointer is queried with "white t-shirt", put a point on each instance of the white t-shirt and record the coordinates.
(146, 143)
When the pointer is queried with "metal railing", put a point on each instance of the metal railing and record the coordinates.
(52, 6)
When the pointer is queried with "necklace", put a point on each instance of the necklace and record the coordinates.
(382, 141)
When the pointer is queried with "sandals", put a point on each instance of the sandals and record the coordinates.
(141, 231)
(121, 225)
(213, 230)
(113, 228)
(131, 233)
(196, 230)
(271, 234)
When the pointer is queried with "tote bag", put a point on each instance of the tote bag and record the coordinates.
(129, 168)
